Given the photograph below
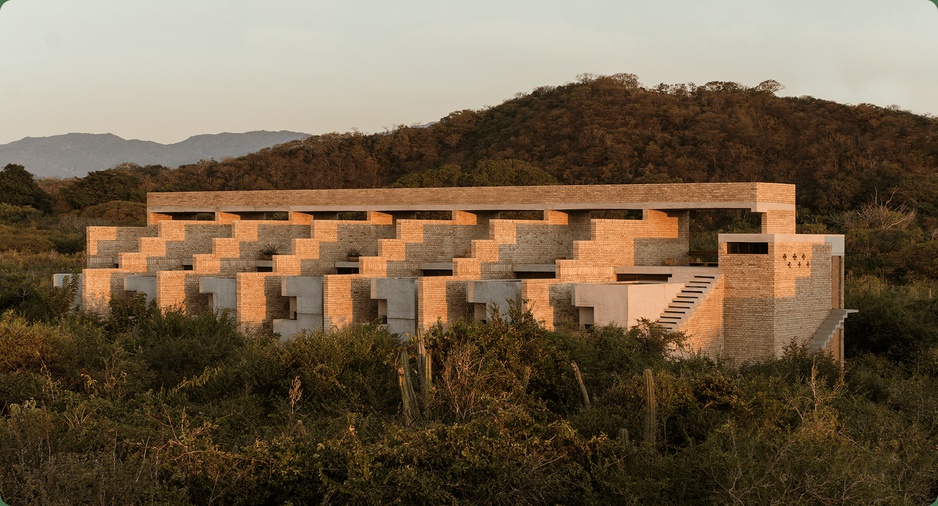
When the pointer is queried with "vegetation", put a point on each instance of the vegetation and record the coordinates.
(145, 406)
(153, 407)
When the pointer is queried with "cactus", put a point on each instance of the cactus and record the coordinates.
(404, 379)
(424, 367)
(651, 408)
(579, 380)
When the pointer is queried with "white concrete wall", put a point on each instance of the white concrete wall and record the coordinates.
(142, 284)
(622, 304)
(306, 295)
(222, 294)
(488, 294)
(398, 303)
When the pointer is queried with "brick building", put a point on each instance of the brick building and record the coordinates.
(592, 255)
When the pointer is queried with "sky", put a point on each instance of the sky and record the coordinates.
(166, 70)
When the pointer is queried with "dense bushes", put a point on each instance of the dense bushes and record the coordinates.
(154, 407)
(899, 322)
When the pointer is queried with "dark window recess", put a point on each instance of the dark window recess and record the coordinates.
(747, 248)
(657, 278)
(436, 272)
(346, 270)
(264, 268)
(535, 275)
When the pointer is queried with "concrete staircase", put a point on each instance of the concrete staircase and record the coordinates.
(695, 290)
(830, 325)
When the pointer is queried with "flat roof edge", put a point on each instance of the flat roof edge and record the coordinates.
(755, 196)
(584, 206)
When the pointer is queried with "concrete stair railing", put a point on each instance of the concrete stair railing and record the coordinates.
(829, 327)
(686, 301)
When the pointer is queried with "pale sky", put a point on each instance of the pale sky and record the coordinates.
(164, 70)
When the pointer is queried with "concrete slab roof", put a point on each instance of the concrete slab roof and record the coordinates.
(758, 197)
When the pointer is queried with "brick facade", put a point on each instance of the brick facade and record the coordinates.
(757, 304)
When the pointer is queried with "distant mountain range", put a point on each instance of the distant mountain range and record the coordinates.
(75, 155)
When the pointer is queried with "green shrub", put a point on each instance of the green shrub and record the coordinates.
(899, 322)
(346, 370)
(13, 214)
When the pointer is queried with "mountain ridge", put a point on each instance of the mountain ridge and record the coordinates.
(76, 154)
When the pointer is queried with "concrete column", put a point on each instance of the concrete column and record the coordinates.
(397, 304)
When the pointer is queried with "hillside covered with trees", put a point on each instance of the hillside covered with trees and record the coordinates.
(146, 407)
(610, 129)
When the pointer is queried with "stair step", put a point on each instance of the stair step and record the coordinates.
(684, 302)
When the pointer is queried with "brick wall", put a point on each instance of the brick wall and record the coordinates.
(441, 298)
(550, 301)
(104, 244)
(764, 302)
(259, 299)
(174, 242)
(97, 287)
(249, 238)
(653, 240)
(802, 290)
(422, 241)
(749, 309)
(330, 241)
(180, 290)
(704, 327)
(774, 299)
(347, 300)
(778, 222)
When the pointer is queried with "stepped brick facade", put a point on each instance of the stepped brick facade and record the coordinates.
(312, 259)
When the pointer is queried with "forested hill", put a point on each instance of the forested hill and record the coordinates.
(611, 129)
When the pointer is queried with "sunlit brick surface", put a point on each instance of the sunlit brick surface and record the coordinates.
(446, 237)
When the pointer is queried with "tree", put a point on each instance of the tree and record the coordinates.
(104, 186)
(18, 188)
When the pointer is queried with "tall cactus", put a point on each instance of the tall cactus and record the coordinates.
(651, 408)
(424, 367)
(404, 379)
(579, 379)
